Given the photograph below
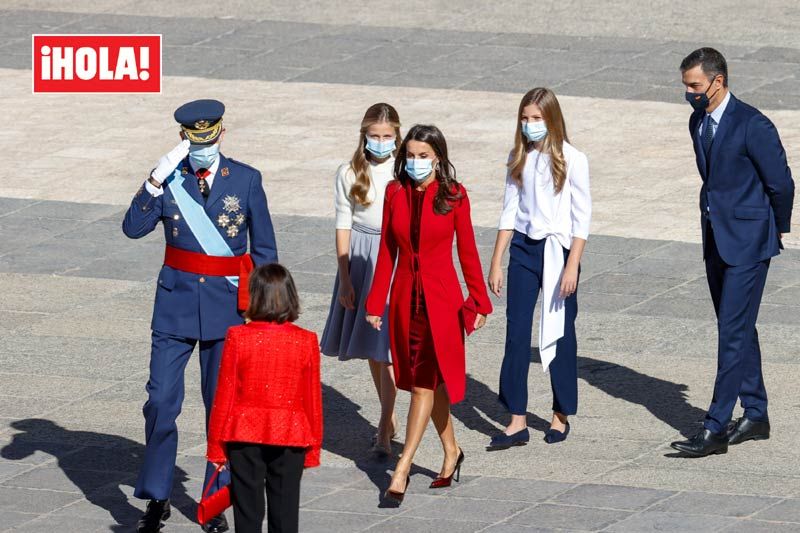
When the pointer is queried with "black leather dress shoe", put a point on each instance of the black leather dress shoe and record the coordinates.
(746, 429)
(152, 519)
(218, 524)
(702, 444)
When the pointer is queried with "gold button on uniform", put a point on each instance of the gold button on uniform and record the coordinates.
(202, 280)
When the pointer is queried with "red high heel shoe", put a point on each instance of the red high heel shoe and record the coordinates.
(444, 482)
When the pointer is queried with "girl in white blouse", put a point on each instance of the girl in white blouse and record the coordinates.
(546, 214)
(359, 188)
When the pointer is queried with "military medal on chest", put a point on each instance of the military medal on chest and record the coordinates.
(231, 218)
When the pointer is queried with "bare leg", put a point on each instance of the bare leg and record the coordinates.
(518, 423)
(387, 392)
(559, 422)
(444, 426)
(419, 413)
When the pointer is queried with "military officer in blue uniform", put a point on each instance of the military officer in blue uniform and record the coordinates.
(208, 206)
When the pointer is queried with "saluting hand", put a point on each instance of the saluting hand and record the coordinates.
(168, 162)
(375, 321)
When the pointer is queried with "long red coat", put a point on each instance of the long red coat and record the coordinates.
(443, 296)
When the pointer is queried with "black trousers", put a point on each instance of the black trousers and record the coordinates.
(255, 467)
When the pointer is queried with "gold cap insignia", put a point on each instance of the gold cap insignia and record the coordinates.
(201, 124)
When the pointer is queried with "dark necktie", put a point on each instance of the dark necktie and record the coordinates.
(205, 189)
(708, 133)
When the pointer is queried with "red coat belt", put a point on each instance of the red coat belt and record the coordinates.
(212, 265)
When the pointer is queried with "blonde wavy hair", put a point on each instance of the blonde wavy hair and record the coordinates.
(376, 114)
(553, 143)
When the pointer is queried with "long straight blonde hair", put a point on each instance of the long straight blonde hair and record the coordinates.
(553, 143)
(376, 114)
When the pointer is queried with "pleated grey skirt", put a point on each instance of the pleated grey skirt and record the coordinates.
(347, 333)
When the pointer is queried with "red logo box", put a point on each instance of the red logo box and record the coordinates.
(96, 63)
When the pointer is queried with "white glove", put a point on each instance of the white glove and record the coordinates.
(168, 162)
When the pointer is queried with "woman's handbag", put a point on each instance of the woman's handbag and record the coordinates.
(211, 506)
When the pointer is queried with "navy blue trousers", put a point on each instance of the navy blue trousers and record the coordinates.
(168, 358)
(524, 282)
(736, 292)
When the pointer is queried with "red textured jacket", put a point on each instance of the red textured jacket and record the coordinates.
(443, 296)
(268, 390)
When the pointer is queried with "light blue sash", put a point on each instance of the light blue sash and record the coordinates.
(200, 225)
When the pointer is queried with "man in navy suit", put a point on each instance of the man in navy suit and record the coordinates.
(208, 205)
(746, 207)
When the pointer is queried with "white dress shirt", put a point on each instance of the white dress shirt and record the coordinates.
(716, 116)
(348, 211)
(537, 211)
(209, 179)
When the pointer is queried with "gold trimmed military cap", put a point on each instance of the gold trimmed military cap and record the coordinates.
(201, 120)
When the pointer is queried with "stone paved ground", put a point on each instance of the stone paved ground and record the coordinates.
(77, 295)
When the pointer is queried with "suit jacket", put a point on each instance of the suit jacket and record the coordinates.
(268, 390)
(193, 305)
(746, 183)
(443, 296)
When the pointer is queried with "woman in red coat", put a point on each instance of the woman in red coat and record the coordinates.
(424, 210)
(267, 415)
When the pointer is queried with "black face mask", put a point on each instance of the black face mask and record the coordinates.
(699, 101)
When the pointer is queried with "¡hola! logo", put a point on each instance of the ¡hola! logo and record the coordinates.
(96, 63)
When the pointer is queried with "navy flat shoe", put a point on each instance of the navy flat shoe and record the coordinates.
(552, 436)
(504, 442)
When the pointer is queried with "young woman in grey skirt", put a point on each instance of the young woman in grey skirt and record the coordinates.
(360, 186)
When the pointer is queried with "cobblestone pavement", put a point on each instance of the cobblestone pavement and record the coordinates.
(77, 301)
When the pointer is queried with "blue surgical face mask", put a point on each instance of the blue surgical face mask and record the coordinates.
(419, 169)
(203, 156)
(534, 131)
(380, 149)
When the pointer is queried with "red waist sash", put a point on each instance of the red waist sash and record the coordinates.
(211, 265)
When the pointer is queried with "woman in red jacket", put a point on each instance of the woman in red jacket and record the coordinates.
(424, 209)
(267, 415)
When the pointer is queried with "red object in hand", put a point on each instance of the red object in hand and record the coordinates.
(214, 505)
(469, 314)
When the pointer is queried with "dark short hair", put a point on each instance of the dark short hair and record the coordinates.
(273, 296)
(711, 62)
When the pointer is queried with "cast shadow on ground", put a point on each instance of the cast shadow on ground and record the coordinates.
(98, 464)
(664, 399)
(348, 434)
(479, 399)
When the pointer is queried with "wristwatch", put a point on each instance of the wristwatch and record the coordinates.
(152, 181)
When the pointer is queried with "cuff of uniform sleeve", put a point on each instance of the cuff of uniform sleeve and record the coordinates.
(155, 192)
(784, 226)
